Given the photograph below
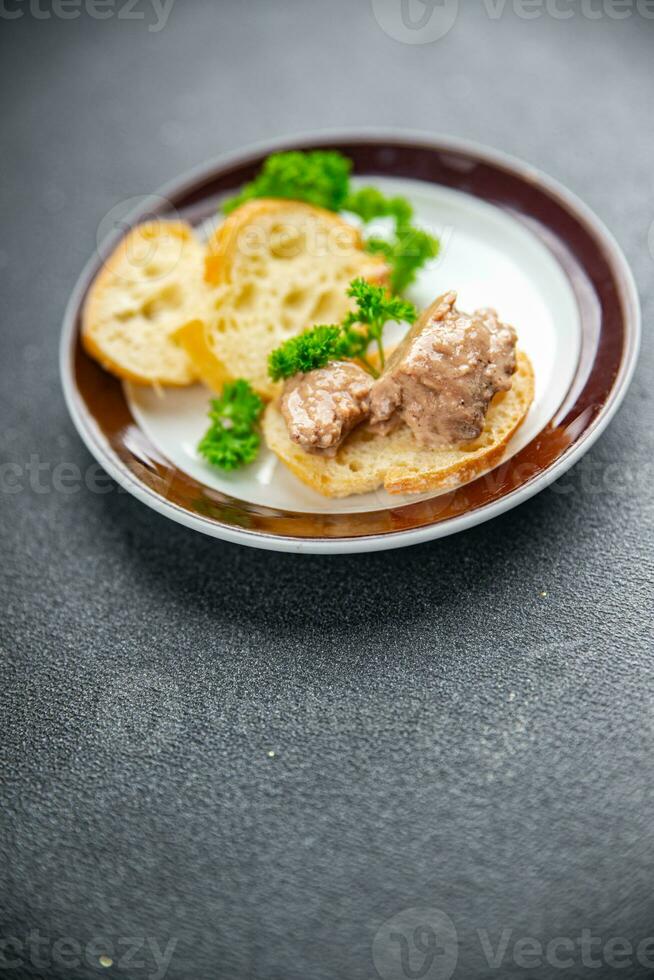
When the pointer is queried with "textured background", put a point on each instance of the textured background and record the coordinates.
(466, 726)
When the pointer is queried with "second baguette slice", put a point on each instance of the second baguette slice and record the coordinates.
(279, 267)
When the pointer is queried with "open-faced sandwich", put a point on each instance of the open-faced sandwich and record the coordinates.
(442, 410)
(282, 313)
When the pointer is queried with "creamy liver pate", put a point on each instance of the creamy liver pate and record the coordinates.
(441, 378)
(323, 406)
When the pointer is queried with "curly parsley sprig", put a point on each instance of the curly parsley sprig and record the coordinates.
(410, 248)
(369, 203)
(307, 351)
(406, 254)
(322, 178)
(232, 440)
(314, 348)
(375, 307)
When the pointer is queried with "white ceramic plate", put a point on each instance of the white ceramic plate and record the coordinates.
(510, 239)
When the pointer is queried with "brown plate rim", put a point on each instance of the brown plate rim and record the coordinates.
(580, 420)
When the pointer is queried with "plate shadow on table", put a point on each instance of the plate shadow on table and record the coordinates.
(305, 595)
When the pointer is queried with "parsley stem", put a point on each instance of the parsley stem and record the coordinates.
(370, 368)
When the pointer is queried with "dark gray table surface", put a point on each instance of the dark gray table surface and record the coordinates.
(462, 728)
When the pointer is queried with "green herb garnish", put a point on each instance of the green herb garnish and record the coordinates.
(314, 348)
(369, 203)
(307, 351)
(375, 307)
(320, 178)
(232, 440)
(410, 248)
(409, 251)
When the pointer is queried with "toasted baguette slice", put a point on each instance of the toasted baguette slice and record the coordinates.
(150, 286)
(367, 461)
(279, 267)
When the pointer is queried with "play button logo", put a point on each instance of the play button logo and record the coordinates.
(416, 21)
(416, 944)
